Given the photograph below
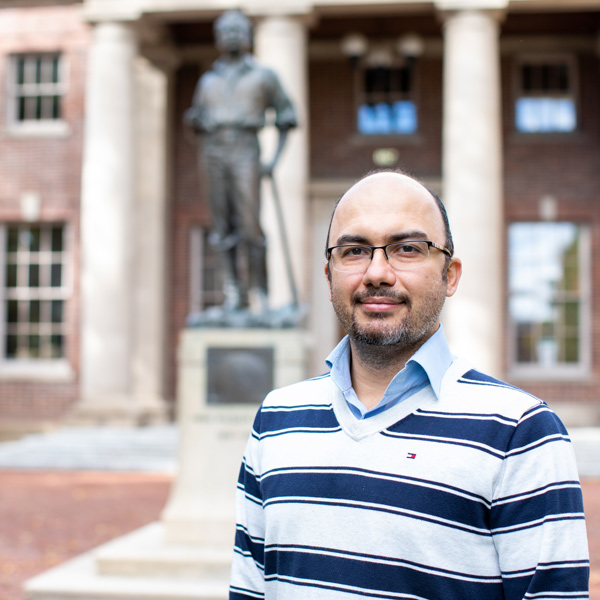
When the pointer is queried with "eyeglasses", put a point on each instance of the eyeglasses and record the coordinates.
(355, 258)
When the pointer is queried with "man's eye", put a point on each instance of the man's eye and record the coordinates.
(407, 249)
(355, 252)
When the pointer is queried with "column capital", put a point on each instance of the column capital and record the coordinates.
(302, 13)
(496, 9)
(460, 5)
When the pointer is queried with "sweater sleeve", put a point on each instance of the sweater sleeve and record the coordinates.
(248, 571)
(537, 518)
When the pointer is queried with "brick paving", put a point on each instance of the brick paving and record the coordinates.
(48, 517)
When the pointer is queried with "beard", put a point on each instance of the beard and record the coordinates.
(384, 329)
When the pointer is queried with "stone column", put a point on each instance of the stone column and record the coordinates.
(106, 224)
(281, 43)
(149, 280)
(472, 184)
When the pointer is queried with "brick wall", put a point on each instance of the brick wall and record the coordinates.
(338, 151)
(51, 166)
(565, 167)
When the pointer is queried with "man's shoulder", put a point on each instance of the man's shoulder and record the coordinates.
(474, 390)
(314, 391)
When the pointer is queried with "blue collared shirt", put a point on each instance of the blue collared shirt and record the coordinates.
(426, 367)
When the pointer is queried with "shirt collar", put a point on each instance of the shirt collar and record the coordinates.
(434, 357)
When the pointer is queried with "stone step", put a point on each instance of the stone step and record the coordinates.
(138, 566)
(151, 448)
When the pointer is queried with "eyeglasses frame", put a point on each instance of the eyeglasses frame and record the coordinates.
(429, 243)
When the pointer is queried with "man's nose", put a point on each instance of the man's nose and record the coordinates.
(379, 272)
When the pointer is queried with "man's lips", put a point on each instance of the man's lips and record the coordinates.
(380, 303)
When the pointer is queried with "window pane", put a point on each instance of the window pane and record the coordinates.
(34, 311)
(572, 314)
(11, 276)
(545, 115)
(11, 346)
(572, 350)
(56, 275)
(34, 346)
(57, 239)
(20, 70)
(38, 70)
(35, 239)
(12, 239)
(57, 311)
(543, 263)
(57, 346)
(384, 118)
(12, 311)
(34, 275)
(56, 114)
(55, 71)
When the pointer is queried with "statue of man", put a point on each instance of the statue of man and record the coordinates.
(228, 110)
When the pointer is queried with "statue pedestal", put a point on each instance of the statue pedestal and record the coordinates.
(223, 374)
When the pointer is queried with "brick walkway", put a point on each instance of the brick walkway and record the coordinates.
(50, 516)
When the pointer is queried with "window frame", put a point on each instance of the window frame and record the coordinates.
(539, 58)
(37, 368)
(36, 127)
(559, 371)
(360, 96)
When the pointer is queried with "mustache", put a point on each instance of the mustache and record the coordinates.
(396, 297)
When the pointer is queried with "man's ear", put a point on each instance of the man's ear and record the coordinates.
(454, 273)
(328, 276)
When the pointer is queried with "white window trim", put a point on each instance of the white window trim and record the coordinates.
(56, 370)
(582, 371)
(42, 127)
(544, 58)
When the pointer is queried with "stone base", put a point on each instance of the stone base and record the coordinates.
(213, 435)
(137, 566)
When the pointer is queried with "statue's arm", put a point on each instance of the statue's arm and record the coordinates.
(285, 119)
(194, 117)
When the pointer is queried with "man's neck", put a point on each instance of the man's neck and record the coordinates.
(372, 368)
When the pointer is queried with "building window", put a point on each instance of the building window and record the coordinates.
(37, 87)
(386, 100)
(549, 297)
(545, 99)
(206, 275)
(35, 292)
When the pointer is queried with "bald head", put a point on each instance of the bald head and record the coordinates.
(380, 193)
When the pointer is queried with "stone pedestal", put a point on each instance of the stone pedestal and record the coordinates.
(215, 419)
(188, 553)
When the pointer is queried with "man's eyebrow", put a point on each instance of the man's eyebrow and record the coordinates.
(351, 239)
(395, 237)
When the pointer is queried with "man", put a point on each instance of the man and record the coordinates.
(404, 472)
(228, 109)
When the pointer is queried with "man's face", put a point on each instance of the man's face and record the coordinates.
(383, 306)
(232, 36)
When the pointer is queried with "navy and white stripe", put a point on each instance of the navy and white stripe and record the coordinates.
(472, 495)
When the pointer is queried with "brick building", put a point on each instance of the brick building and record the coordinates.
(493, 103)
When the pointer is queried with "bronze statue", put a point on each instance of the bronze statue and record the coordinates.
(227, 111)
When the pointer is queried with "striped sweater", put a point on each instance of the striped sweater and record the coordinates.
(474, 496)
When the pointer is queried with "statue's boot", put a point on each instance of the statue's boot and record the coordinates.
(259, 300)
(233, 295)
